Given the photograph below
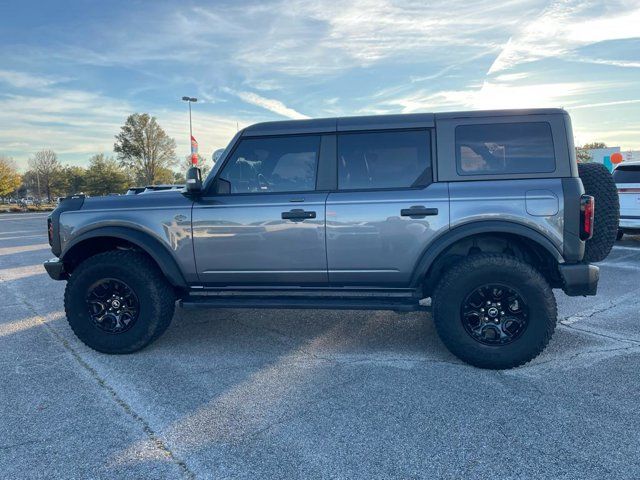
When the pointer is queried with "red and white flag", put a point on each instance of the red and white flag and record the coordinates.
(194, 150)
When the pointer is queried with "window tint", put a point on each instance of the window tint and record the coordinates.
(384, 160)
(627, 174)
(276, 164)
(500, 148)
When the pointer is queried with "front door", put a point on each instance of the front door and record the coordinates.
(270, 228)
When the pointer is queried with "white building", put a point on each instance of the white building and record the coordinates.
(603, 155)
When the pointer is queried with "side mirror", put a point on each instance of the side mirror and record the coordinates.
(194, 181)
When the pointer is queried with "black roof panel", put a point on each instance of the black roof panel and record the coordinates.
(406, 120)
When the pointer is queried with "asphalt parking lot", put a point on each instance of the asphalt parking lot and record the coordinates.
(311, 394)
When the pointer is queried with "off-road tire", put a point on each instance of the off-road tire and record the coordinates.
(156, 300)
(599, 183)
(474, 271)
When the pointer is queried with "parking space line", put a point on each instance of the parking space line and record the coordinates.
(24, 248)
(22, 236)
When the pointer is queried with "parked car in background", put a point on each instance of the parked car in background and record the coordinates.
(627, 178)
(162, 188)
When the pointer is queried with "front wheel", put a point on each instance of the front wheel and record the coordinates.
(118, 301)
(494, 311)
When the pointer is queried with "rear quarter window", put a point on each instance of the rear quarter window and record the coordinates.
(504, 148)
(627, 174)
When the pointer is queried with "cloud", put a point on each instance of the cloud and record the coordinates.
(606, 104)
(25, 80)
(493, 95)
(564, 26)
(77, 124)
(275, 106)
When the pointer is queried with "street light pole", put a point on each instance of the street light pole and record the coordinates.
(189, 100)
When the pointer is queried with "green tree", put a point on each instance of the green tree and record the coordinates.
(105, 176)
(144, 146)
(46, 168)
(10, 179)
(582, 153)
(76, 179)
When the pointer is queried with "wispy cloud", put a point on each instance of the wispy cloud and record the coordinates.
(275, 106)
(564, 26)
(606, 104)
(495, 95)
(25, 80)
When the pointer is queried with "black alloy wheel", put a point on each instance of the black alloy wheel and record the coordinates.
(494, 314)
(113, 305)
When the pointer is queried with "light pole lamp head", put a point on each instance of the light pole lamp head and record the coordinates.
(190, 99)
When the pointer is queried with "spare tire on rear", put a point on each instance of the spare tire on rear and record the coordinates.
(598, 183)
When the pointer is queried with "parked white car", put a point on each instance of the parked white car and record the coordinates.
(627, 178)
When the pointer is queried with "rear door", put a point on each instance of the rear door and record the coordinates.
(270, 228)
(627, 178)
(386, 209)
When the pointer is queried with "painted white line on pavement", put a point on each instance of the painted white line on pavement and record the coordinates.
(24, 248)
(44, 236)
(16, 232)
(20, 216)
(8, 274)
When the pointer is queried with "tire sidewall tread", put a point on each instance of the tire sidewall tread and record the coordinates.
(478, 269)
(155, 296)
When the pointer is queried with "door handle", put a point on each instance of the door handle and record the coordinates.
(298, 215)
(418, 211)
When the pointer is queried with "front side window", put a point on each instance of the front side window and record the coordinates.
(374, 160)
(504, 148)
(274, 164)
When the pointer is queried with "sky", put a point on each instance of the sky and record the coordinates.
(72, 71)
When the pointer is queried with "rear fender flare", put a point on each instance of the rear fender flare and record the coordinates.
(444, 241)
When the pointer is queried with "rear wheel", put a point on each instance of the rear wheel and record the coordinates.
(619, 235)
(598, 182)
(118, 302)
(494, 311)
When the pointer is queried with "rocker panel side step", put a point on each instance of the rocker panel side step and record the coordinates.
(298, 302)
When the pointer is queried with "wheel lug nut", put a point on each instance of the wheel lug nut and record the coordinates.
(501, 312)
(482, 309)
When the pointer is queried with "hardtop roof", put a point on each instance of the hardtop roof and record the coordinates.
(405, 120)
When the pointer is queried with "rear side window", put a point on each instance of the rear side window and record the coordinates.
(274, 164)
(504, 148)
(627, 174)
(376, 160)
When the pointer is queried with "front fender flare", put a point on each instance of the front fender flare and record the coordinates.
(145, 242)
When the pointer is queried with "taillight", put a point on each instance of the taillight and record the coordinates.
(50, 231)
(587, 211)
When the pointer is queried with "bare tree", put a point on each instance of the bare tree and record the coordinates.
(145, 147)
(45, 165)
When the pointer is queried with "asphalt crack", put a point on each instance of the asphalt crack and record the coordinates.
(153, 437)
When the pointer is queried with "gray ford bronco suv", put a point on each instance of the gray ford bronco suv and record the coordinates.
(482, 212)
